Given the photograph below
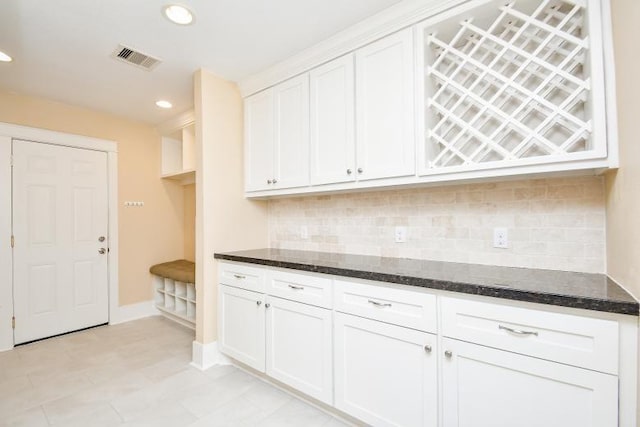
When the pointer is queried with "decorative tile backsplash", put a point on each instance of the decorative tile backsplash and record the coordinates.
(554, 224)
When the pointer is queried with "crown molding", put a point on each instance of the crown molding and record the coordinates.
(390, 20)
(178, 122)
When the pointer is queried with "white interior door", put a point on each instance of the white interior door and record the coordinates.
(60, 214)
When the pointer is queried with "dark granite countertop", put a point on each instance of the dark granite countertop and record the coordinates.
(562, 288)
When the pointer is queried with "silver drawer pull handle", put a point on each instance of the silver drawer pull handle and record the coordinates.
(379, 304)
(296, 287)
(517, 331)
(238, 276)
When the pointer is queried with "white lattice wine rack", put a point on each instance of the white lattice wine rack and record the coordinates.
(513, 83)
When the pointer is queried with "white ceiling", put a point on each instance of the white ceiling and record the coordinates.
(62, 48)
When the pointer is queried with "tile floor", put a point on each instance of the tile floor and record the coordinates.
(137, 374)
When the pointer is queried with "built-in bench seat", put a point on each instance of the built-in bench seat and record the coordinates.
(174, 290)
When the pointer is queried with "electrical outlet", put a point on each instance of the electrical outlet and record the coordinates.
(304, 232)
(134, 204)
(401, 234)
(500, 238)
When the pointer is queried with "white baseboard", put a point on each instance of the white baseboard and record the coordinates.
(207, 355)
(126, 313)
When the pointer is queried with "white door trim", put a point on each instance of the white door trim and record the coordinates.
(6, 289)
(7, 133)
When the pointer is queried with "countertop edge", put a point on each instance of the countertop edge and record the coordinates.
(612, 306)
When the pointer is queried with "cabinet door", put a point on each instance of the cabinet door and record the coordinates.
(299, 347)
(291, 161)
(385, 107)
(259, 141)
(385, 375)
(241, 325)
(332, 122)
(484, 387)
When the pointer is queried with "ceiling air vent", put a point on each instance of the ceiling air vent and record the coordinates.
(134, 57)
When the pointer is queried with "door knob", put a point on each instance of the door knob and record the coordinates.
(102, 251)
(101, 239)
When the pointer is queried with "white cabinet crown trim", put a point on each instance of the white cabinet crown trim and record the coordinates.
(392, 19)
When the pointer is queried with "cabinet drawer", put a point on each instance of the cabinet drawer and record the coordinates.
(405, 308)
(300, 287)
(574, 340)
(241, 276)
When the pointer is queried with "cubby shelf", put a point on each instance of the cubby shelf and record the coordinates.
(176, 300)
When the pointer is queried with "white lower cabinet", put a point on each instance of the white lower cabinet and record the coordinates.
(241, 332)
(299, 347)
(385, 375)
(391, 356)
(288, 340)
(485, 387)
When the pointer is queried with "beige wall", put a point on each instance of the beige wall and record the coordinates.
(149, 234)
(190, 222)
(623, 186)
(554, 224)
(225, 220)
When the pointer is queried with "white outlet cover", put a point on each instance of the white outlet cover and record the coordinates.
(401, 234)
(500, 238)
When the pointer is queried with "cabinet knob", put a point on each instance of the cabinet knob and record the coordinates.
(448, 354)
(268, 181)
(267, 305)
(427, 348)
(259, 303)
(359, 170)
(275, 180)
(348, 171)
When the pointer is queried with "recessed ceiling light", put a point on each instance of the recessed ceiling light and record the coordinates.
(164, 104)
(178, 14)
(4, 57)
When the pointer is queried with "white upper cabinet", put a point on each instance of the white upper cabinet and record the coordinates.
(277, 136)
(259, 140)
(385, 107)
(472, 90)
(291, 161)
(523, 86)
(332, 122)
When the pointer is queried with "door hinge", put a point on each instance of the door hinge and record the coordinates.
(13, 241)
(13, 322)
